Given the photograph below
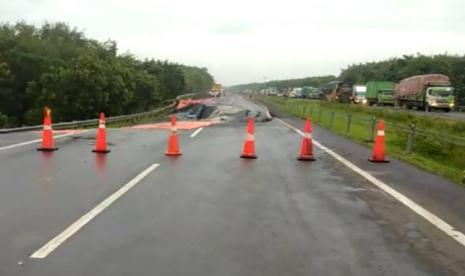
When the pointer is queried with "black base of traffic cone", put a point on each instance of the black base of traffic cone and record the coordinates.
(101, 151)
(47, 149)
(249, 156)
(173, 154)
(378, 161)
(306, 158)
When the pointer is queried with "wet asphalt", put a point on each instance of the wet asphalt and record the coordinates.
(207, 212)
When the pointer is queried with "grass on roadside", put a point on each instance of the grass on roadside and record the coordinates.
(439, 149)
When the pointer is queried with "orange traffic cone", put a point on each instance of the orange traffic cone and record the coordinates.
(101, 144)
(173, 142)
(378, 148)
(47, 133)
(249, 144)
(306, 150)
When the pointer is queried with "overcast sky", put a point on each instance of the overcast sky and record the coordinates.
(244, 40)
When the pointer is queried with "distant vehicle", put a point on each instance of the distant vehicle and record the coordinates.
(339, 91)
(359, 94)
(272, 91)
(296, 93)
(309, 92)
(426, 92)
(216, 90)
(380, 92)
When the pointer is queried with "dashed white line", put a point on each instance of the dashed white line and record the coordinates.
(231, 101)
(419, 210)
(49, 247)
(196, 132)
(34, 141)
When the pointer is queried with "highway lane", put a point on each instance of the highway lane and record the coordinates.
(207, 212)
(211, 213)
(41, 193)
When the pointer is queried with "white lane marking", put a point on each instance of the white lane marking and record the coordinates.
(432, 218)
(231, 101)
(36, 141)
(196, 132)
(49, 247)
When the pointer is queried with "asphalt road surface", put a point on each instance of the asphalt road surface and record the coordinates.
(455, 115)
(208, 212)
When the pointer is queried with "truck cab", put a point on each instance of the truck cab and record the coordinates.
(438, 97)
(386, 97)
(359, 96)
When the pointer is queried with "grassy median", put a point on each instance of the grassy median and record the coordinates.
(438, 143)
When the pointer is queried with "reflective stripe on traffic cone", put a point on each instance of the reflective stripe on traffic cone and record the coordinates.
(47, 133)
(101, 144)
(249, 144)
(173, 142)
(306, 150)
(378, 148)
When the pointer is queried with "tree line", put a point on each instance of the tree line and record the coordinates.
(57, 66)
(284, 84)
(394, 69)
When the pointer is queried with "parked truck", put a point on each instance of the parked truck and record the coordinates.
(359, 96)
(338, 91)
(425, 92)
(310, 92)
(380, 93)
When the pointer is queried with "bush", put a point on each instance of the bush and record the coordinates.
(3, 120)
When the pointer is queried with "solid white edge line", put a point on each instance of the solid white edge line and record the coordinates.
(196, 132)
(37, 141)
(419, 210)
(49, 247)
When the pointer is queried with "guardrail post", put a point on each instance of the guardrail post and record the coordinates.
(410, 138)
(349, 122)
(331, 122)
(372, 128)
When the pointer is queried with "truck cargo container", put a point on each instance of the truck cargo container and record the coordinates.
(339, 91)
(425, 92)
(380, 93)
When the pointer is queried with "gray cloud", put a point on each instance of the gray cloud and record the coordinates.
(243, 40)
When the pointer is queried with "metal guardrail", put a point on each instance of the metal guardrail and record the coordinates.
(84, 123)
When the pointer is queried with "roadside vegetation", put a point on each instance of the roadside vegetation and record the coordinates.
(78, 77)
(438, 144)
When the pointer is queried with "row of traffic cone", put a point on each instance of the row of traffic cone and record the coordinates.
(306, 149)
(48, 143)
(248, 152)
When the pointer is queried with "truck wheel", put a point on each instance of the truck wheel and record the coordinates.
(447, 110)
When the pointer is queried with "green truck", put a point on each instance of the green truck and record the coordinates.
(380, 93)
(309, 92)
